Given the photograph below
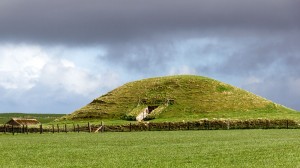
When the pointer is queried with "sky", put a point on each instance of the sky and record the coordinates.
(57, 56)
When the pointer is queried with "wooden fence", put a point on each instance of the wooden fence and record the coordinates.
(152, 126)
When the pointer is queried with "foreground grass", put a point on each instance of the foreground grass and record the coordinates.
(230, 148)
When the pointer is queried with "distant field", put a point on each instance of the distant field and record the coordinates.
(43, 118)
(222, 148)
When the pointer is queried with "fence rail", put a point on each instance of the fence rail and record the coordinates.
(152, 126)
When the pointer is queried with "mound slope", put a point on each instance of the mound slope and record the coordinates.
(183, 96)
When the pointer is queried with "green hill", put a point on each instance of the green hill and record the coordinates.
(182, 97)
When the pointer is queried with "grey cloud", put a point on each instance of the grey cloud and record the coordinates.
(239, 56)
(262, 53)
(81, 22)
(141, 57)
(139, 34)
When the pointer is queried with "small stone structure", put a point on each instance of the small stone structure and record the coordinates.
(145, 112)
(142, 115)
(22, 121)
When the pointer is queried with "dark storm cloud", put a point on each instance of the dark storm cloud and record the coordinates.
(142, 57)
(140, 34)
(278, 51)
(264, 51)
(87, 22)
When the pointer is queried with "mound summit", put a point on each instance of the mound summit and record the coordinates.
(182, 97)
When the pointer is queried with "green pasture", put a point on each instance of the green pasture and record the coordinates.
(221, 148)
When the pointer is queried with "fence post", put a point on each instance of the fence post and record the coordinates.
(228, 124)
(66, 128)
(149, 126)
(287, 124)
(23, 129)
(188, 125)
(78, 128)
(41, 129)
(208, 124)
(89, 126)
(57, 128)
(102, 124)
(169, 126)
(13, 130)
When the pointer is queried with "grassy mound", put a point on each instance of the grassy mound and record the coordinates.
(179, 98)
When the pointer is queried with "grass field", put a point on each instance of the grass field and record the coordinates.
(229, 148)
